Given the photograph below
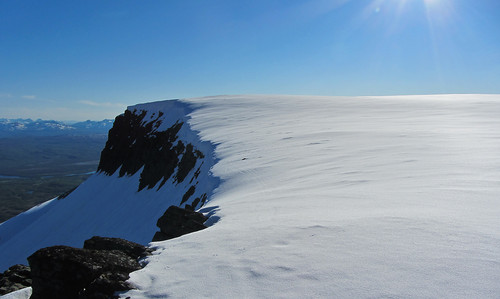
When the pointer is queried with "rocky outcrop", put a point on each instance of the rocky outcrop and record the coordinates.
(131, 249)
(134, 143)
(67, 272)
(176, 222)
(15, 278)
(65, 194)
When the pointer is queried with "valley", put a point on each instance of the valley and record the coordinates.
(36, 169)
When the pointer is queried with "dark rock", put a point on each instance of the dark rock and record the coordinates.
(193, 205)
(196, 201)
(159, 236)
(196, 173)
(105, 285)
(131, 249)
(187, 162)
(15, 278)
(66, 272)
(65, 194)
(188, 194)
(134, 142)
(176, 222)
(203, 198)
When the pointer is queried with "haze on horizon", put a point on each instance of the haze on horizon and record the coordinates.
(88, 60)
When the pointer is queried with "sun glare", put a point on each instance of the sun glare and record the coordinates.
(399, 12)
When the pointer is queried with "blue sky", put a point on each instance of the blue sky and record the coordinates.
(76, 60)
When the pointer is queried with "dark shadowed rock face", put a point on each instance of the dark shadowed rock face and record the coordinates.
(67, 272)
(176, 222)
(15, 278)
(134, 142)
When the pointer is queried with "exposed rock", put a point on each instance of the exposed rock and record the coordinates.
(65, 194)
(15, 278)
(188, 194)
(196, 173)
(67, 272)
(96, 271)
(187, 162)
(176, 222)
(134, 142)
(131, 249)
(203, 198)
(105, 285)
(196, 201)
(193, 205)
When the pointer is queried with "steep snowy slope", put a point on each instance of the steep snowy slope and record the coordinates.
(152, 160)
(333, 197)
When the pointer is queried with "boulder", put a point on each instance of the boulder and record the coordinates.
(67, 272)
(177, 221)
(15, 278)
(131, 249)
(101, 286)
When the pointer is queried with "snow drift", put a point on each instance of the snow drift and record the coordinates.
(318, 197)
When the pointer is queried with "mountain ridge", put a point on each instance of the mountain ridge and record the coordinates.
(136, 190)
(28, 127)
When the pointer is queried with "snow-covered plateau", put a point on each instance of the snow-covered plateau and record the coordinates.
(307, 197)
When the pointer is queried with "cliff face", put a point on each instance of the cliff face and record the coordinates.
(152, 160)
(136, 145)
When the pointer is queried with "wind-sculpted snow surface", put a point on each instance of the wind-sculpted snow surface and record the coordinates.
(370, 197)
(152, 160)
(319, 197)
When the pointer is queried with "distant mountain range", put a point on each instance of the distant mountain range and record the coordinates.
(39, 127)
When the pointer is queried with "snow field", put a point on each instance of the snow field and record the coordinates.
(319, 197)
(337, 197)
